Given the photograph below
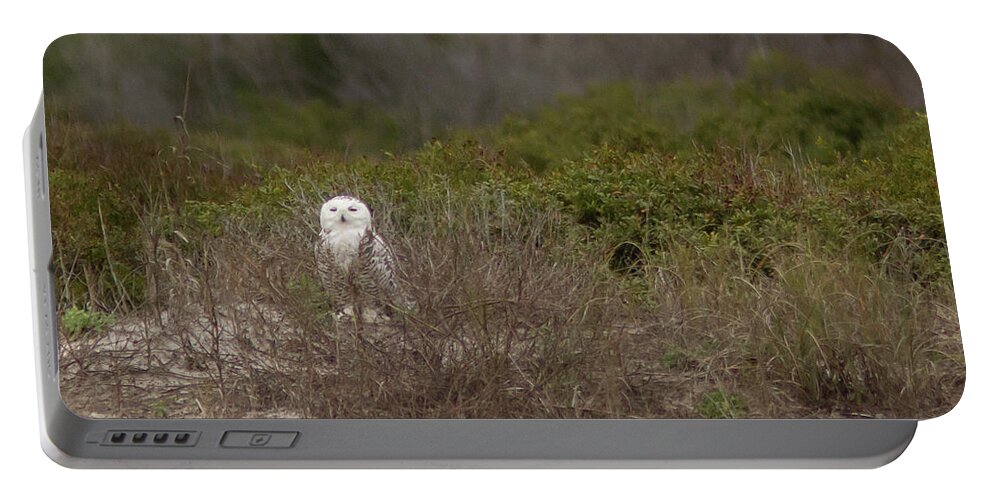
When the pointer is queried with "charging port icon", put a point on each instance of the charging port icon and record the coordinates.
(259, 439)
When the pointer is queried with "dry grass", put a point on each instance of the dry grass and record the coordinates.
(503, 328)
(518, 317)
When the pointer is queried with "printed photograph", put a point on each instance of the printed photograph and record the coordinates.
(497, 226)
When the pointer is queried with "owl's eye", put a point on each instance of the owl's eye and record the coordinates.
(333, 209)
(353, 209)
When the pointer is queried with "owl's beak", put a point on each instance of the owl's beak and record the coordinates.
(343, 217)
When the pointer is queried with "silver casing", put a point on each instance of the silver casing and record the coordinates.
(78, 442)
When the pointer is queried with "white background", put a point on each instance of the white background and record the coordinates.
(947, 41)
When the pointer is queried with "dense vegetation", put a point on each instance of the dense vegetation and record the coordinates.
(771, 247)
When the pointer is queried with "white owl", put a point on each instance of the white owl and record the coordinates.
(356, 267)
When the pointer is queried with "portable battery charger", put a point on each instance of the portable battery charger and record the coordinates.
(486, 251)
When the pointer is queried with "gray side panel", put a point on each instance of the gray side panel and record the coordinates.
(42, 277)
(76, 442)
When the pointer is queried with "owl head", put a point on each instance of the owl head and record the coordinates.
(344, 213)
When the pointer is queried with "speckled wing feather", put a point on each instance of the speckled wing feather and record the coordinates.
(377, 272)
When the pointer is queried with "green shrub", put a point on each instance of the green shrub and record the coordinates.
(159, 409)
(607, 115)
(267, 120)
(718, 404)
(78, 322)
(780, 101)
(822, 115)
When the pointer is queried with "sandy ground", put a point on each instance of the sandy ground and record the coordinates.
(237, 364)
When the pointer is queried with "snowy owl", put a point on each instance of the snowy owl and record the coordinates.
(356, 267)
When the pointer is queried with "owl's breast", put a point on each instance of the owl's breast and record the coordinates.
(343, 247)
